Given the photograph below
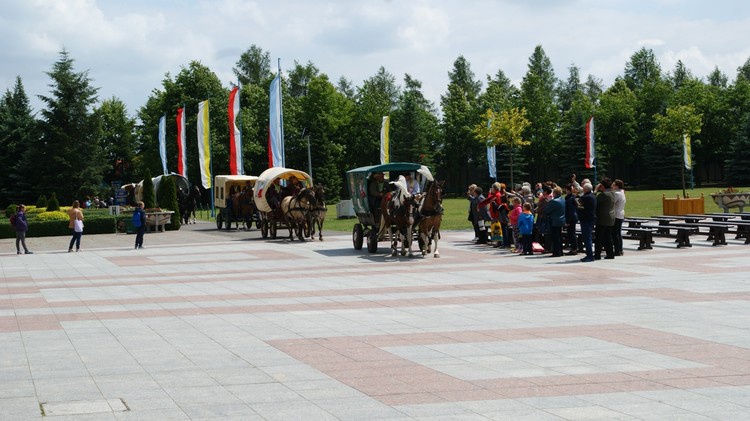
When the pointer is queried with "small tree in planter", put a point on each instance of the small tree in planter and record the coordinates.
(678, 125)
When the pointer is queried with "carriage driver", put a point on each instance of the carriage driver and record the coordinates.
(293, 187)
(375, 186)
(273, 194)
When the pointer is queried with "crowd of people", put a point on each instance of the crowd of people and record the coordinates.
(528, 221)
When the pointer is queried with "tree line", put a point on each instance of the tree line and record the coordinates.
(78, 145)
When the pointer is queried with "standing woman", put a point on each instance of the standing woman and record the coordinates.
(76, 224)
(618, 188)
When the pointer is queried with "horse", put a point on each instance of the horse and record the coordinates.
(296, 210)
(188, 203)
(318, 213)
(397, 212)
(243, 208)
(431, 214)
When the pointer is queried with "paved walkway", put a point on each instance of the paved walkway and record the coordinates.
(203, 324)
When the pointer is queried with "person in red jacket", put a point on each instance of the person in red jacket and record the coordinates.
(494, 200)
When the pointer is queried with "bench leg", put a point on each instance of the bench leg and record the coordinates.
(683, 239)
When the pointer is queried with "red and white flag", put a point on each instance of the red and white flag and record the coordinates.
(590, 144)
(235, 138)
(181, 150)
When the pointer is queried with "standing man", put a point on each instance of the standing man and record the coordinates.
(617, 189)
(571, 218)
(21, 226)
(555, 213)
(587, 217)
(605, 219)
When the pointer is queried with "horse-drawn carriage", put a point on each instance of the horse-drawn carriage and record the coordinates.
(387, 208)
(233, 199)
(281, 210)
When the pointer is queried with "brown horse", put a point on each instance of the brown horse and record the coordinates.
(243, 208)
(318, 213)
(431, 214)
(397, 214)
(296, 210)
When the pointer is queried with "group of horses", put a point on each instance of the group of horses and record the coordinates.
(403, 214)
(304, 213)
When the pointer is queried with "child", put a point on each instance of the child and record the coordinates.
(526, 228)
(513, 218)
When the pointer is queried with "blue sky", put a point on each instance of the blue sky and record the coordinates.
(128, 46)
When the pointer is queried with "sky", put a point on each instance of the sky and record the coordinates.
(128, 46)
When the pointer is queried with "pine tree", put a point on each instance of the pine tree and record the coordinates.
(739, 157)
(18, 130)
(53, 204)
(41, 202)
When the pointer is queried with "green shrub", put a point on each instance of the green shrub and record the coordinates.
(50, 216)
(48, 228)
(10, 210)
(149, 198)
(168, 200)
(33, 210)
(53, 204)
(41, 202)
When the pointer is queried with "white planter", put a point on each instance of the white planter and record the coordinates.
(732, 200)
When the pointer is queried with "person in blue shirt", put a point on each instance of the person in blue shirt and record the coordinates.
(140, 216)
(526, 228)
(555, 213)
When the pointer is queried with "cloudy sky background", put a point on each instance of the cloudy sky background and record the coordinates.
(128, 46)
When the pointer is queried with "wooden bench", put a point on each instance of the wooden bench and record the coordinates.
(741, 231)
(682, 233)
(645, 236)
(716, 231)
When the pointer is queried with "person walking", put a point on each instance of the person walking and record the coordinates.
(21, 225)
(139, 221)
(587, 217)
(76, 224)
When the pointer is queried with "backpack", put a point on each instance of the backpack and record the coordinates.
(13, 220)
(137, 219)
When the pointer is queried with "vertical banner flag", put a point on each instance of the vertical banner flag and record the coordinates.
(204, 145)
(181, 147)
(163, 141)
(491, 160)
(385, 147)
(686, 151)
(276, 127)
(235, 137)
(590, 144)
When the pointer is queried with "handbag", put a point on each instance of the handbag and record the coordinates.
(78, 225)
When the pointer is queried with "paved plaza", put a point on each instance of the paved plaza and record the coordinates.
(202, 324)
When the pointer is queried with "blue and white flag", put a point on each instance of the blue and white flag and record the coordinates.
(276, 125)
(163, 142)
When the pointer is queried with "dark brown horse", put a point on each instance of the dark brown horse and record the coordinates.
(431, 214)
(397, 218)
(243, 208)
(296, 210)
(318, 212)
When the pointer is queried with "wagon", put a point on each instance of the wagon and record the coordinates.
(357, 181)
(241, 209)
(271, 220)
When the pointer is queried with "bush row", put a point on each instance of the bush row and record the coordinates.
(43, 227)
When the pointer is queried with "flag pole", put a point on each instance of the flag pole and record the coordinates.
(281, 117)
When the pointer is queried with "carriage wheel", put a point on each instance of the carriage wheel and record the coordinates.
(272, 229)
(219, 221)
(357, 236)
(264, 228)
(372, 241)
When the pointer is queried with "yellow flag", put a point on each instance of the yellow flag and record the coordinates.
(686, 150)
(204, 144)
(385, 153)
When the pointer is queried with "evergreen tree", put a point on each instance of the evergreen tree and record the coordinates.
(18, 130)
(167, 200)
(53, 204)
(616, 123)
(41, 202)
(460, 155)
(149, 198)
(375, 99)
(254, 66)
(117, 140)
(68, 157)
(739, 155)
(414, 126)
(538, 97)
